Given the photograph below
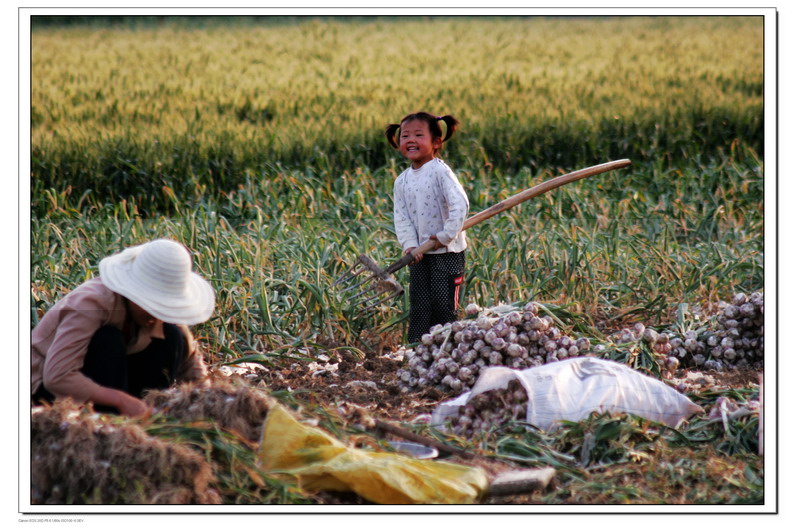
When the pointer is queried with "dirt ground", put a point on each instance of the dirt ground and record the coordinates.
(361, 389)
(370, 387)
(371, 383)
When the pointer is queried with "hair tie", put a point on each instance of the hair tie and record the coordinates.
(439, 118)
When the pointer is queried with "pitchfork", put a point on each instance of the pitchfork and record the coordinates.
(384, 281)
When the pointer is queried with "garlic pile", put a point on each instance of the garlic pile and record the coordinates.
(451, 356)
(735, 338)
(490, 409)
(738, 340)
(659, 343)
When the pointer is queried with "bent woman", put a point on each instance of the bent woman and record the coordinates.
(122, 333)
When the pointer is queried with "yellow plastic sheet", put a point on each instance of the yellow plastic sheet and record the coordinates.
(320, 462)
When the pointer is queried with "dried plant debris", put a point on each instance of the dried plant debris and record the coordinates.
(235, 406)
(81, 457)
(728, 408)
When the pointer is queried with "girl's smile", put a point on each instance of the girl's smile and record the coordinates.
(416, 142)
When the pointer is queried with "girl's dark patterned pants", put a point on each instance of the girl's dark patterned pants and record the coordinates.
(435, 286)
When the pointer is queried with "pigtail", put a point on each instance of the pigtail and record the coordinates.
(391, 132)
(452, 125)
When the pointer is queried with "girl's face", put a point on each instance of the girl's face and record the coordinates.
(416, 143)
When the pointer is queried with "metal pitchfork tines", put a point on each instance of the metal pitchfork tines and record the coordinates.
(384, 281)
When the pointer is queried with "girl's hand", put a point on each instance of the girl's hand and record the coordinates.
(417, 257)
(438, 243)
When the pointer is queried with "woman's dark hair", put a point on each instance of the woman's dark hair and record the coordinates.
(432, 125)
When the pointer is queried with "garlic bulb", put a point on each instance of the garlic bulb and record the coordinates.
(472, 309)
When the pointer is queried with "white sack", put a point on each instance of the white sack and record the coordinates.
(574, 388)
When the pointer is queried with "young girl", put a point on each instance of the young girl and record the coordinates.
(429, 203)
(119, 334)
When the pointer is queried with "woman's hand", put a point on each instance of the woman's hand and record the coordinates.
(124, 402)
(134, 407)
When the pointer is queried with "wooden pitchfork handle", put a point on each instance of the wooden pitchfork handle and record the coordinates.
(410, 436)
(505, 484)
(512, 201)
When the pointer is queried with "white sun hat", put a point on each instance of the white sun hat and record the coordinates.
(158, 277)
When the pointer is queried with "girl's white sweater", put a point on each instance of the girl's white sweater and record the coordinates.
(430, 201)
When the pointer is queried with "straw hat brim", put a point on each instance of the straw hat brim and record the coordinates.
(193, 306)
